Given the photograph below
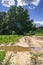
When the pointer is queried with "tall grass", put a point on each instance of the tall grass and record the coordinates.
(5, 39)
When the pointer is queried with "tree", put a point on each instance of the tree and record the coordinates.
(23, 19)
(2, 16)
(17, 20)
(9, 21)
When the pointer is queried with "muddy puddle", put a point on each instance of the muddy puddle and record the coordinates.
(15, 48)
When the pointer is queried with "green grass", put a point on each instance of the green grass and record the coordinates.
(5, 39)
(38, 34)
(8, 63)
(2, 55)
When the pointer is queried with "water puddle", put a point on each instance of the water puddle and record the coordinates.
(15, 48)
(37, 48)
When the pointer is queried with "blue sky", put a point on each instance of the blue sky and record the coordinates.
(37, 13)
(35, 7)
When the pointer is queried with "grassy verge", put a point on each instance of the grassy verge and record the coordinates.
(5, 39)
(38, 34)
(2, 55)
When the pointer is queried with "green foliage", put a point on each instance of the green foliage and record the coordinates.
(2, 55)
(2, 16)
(38, 34)
(29, 33)
(5, 39)
(39, 31)
(17, 21)
(7, 63)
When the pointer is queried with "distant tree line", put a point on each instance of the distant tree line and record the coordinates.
(15, 21)
(39, 29)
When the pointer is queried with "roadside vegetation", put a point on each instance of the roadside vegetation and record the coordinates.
(38, 34)
(6, 39)
(2, 56)
(39, 31)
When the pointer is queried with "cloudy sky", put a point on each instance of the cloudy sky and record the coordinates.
(35, 7)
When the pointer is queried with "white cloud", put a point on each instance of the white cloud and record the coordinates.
(8, 3)
(35, 2)
(38, 23)
(26, 2)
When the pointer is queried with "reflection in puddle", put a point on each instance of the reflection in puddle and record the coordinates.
(37, 48)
